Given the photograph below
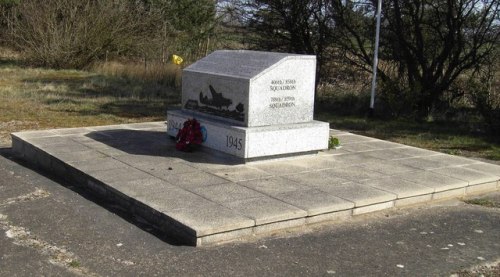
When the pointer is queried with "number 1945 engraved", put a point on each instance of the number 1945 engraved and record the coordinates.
(234, 142)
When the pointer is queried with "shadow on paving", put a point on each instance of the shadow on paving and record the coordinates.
(106, 204)
(149, 143)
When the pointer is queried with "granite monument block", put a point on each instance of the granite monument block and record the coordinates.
(252, 104)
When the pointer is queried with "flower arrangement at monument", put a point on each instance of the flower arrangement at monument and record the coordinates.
(190, 136)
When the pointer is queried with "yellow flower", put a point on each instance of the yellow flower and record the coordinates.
(177, 59)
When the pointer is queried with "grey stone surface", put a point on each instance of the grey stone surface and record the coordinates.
(349, 138)
(206, 197)
(279, 168)
(481, 188)
(397, 185)
(413, 200)
(415, 152)
(274, 186)
(451, 160)
(314, 201)
(275, 227)
(373, 208)
(265, 210)
(485, 167)
(277, 89)
(388, 154)
(210, 218)
(229, 192)
(335, 216)
(434, 180)
(382, 144)
(105, 163)
(447, 194)
(318, 179)
(192, 180)
(473, 177)
(352, 159)
(361, 195)
(250, 111)
(117, 175)
(355, 173)
(254, 142)
(423, 163)
(105, 244)
(387, 167)
(242, 173)
(141, 187)
(359, 147)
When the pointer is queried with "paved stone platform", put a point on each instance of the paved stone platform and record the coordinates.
(207, 197)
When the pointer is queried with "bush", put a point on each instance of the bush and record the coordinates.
(74, 33)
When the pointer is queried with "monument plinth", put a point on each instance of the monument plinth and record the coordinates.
(252, 104)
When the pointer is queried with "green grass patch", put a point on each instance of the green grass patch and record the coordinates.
(74, 264)
(483, 202)
(456, 138)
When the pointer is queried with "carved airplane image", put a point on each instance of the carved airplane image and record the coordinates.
(217, 100)
(216, 105)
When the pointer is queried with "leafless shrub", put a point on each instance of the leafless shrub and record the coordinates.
(75, 33)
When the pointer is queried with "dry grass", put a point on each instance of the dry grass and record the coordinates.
(152, 71)
(36, 98)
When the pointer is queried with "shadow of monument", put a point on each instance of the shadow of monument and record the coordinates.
(158, 144)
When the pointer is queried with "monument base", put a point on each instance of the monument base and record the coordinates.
(255, 142)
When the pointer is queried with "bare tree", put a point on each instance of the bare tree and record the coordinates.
(425, 46)
(297, 26)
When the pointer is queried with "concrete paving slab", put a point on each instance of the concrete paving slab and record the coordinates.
(397, 185)
(314, 201)
(118, 174)
(387, 167)
(281, 168)
(415, 152)
(207, 197)
(329, 217)
(473, 177)
(354, 159)
(413, 200)
(423, 163)
(359, 147)
(450, 160)
(384, 145)
(388, 154)
(210, 219)
(228, 192)
(318, 163)
(352, 138)
(242, 173)
(192, 180)
(434, 180)
(273, 186)
(265, 210)
(373, 208)
(78, 156)
(355, 173)
(317, 179)
(492, 169)
(64, 147)
(481, 188)
(360, 195)
(105, 163)
(147, 186)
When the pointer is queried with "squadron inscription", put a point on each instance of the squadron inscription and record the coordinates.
(283, 84)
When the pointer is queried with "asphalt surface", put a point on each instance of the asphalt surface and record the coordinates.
(49, 228)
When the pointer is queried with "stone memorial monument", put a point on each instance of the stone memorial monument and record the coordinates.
(252, 104)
